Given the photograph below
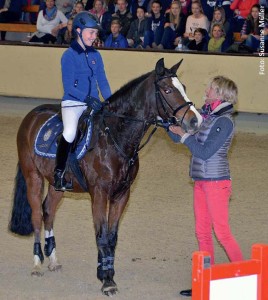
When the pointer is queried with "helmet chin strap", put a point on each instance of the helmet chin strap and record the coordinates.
(80, 36)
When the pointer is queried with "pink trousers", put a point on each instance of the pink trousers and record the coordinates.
(211, 202)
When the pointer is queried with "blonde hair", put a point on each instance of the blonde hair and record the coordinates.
(225, 88)
(199, 4)
(175, 19)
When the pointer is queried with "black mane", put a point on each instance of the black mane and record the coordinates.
(120, 96)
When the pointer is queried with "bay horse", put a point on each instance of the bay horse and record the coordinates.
(109, 166)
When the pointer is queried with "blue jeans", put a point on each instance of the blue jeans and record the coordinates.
(168, 38)
(153, 36)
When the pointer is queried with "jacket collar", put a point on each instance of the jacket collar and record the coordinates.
(76, 47)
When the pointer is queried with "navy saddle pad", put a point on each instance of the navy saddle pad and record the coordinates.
(46, 140)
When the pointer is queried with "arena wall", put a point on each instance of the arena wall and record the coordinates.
(34, 72)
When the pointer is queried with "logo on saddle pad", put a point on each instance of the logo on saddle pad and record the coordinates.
(47, 138)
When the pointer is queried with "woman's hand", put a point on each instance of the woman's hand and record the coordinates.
(177, 130)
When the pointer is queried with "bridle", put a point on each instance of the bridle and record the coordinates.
(160, 99)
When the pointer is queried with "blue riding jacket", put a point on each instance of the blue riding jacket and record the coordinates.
(83, 74)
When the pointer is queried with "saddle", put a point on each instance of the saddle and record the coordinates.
(47, 138)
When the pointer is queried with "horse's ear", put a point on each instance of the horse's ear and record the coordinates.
(175, 68)
(160, 67)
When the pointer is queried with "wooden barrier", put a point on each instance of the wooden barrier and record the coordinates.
(247, 280)
(21, 26)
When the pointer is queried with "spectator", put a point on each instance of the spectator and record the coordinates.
(241, 10)
(173, 28)
(112, 6)
(194, 21)
(78, 7)
(217, 39)
(135, 36)
(154, 26)
(124, 16)
(219, 18)
(10, 11)
(49, 21)
(99, 10)
(250, 33)
(210, 5)
(199, 43)
(138, 3)
(65, 6)
(116, 39)
(65, 35)
(186, 7)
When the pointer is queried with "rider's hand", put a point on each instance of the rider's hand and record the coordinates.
(94, 103)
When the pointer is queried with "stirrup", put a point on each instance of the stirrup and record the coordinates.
(60, 183)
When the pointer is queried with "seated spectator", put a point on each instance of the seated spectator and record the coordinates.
(174, 27)
(210, 5)
(65, 35)
(112, 6)
(219, 18)
(241, 10)
(65, 6)
(250, 33)
(154, 27)
(135, 36)
(116, 39)
(78, 7)
(215, 43)
(49, 21)
(199, 43)
(124, 16)
(99, 10)
(194, 21)
(10, 11)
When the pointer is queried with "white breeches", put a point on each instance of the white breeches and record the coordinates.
(71, 112)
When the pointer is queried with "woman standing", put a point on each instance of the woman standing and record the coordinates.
(83, 75)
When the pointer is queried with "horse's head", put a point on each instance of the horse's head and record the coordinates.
(172, 102)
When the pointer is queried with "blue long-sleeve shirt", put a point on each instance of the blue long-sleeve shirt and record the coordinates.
(83, 74)
(118, 42)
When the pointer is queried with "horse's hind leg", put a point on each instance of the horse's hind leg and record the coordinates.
(49, 210)
(35, 185)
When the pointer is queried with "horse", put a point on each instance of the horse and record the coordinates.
(109, 167)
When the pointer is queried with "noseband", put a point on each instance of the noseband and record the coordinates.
(160, 98)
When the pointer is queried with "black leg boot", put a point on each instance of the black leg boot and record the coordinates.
(60, 183)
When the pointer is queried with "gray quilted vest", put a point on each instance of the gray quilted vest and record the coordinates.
(217, 166)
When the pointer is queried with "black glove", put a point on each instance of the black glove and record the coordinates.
(94, 103)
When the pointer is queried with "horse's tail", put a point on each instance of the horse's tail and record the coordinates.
(20, 221)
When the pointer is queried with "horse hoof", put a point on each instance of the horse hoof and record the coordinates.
(54, 267)
(109, 288)
(36, 272)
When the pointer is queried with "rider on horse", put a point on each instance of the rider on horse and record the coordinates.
(82, 74)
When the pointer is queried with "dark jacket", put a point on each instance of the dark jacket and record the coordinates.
(125, 20)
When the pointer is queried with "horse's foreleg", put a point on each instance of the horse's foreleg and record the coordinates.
(49, 210)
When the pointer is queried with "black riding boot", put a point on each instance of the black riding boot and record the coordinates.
(60, 183)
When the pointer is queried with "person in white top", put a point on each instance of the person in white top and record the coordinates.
(49, 21)
(196, 20)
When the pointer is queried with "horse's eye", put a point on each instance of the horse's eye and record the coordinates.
(168, 90)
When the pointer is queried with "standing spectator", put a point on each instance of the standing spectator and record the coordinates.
(65, 6)
(99, 10)
(124, 16)
(194, 21)
(49, 21)
(135, 36)
(174, 27)
(199, 43)
(241, 10)
(215, 43)
(154, 26)
(250, 33)
(210, 170)
(10, 11)
(116, 39)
